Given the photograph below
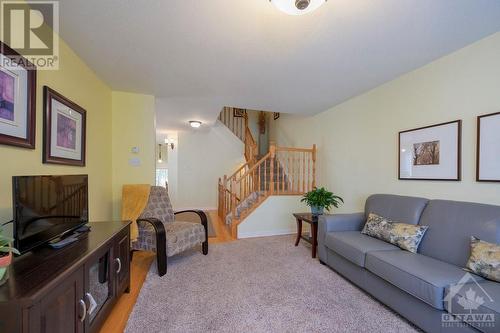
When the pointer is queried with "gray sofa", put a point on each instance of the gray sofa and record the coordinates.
(427, 286)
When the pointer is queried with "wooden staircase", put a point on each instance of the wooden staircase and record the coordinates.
(282, 171)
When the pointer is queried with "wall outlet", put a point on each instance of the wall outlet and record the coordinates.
(135, 162)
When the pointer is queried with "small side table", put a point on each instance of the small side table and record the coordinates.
(313, 221)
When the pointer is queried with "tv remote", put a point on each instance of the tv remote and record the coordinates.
(63, 243)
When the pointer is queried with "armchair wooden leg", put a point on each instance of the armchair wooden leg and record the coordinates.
(161, 252)
(161, 244)
(161, 263)
(204, 247)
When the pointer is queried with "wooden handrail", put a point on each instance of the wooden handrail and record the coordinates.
(254, 167)
(238, 170)
(294, 149)
(250, 145)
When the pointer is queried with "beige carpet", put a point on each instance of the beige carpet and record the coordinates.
(256, 285)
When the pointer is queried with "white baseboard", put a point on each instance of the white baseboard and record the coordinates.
(266, 233)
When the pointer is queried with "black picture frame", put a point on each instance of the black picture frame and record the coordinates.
(459, 152)
(479, 178)
(48, 156)
(30, 131)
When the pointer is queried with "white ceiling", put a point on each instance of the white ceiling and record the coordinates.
(196, 56)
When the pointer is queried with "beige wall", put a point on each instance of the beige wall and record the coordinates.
(358, 140)
(133, 126)
(203, 156)
(77, 82)
(273, 217)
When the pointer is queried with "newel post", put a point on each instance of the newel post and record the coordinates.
(272, 151)
(314, 166)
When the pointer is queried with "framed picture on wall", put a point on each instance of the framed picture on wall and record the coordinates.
(239, 112)
(488, 148)
(64, 126)
(431, 152)
(17, 99)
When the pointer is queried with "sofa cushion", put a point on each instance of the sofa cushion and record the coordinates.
(423, 277)
(353, 245)
(452, 223)
(396, 207)
(479, 299)
(404, 235)
(484, 259)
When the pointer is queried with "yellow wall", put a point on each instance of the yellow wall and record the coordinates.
(358, 140)
(133, 126)
(77, 82)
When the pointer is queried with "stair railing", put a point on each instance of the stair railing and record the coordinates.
(237, 125)
(250, 146)
(282, 171)
(297, 170)
(254, 180)
(225, 195)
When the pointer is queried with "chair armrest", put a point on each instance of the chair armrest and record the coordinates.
(341, 222)
(156, 223)
(161, 243)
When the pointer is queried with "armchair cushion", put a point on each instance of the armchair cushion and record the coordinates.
(183, 235)
(180, 237)
(158, 206)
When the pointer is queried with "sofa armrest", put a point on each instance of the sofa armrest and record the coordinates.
(336, 222)
(341, 222)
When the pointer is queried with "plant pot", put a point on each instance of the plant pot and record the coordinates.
(5, 262)
(316, 210)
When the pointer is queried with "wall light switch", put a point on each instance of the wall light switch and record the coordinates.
(135, 150)
(135, 162)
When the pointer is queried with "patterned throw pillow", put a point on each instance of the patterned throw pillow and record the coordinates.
(403, 235)
(484, 259)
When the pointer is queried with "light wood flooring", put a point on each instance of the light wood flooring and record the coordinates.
(141, 262)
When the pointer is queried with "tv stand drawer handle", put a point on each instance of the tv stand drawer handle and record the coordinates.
(92, 302)
(83, 306)
(119, 265)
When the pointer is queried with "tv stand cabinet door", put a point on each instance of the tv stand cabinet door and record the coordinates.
(61, 310)
(99, 287)
(122, 262)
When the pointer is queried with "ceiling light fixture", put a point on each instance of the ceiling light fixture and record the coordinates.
(195, 123)
(297, 7)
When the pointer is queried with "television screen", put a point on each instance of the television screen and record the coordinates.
(46, 207)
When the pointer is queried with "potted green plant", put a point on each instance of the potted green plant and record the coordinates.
(6, 251)
(320, 199)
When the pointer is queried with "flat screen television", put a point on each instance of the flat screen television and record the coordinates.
(47, 207)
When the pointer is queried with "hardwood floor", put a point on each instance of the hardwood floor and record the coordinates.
(141, 262)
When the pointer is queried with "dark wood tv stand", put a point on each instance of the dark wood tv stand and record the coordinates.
(71, 289)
